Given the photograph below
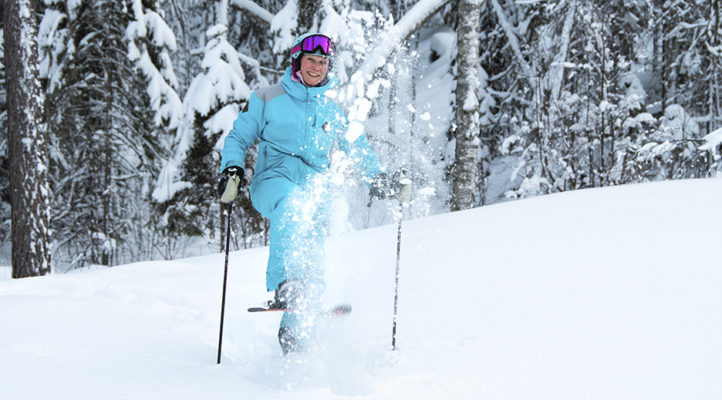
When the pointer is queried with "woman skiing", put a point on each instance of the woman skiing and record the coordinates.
(297, 126)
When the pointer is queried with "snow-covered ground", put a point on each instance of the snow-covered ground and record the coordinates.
(598, 294)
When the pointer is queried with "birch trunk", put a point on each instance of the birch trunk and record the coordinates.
(467, 106)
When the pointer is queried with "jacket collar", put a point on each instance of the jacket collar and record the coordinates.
(300, 91)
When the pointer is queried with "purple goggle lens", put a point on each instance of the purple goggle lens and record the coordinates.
(315, 42)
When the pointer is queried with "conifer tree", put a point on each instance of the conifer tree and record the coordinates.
(5, 220)
(187, 199)
(27, 145)
(105, 129)
(150, 44)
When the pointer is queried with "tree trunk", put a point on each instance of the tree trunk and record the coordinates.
(714, 89)
(26, 143)
(467, 106)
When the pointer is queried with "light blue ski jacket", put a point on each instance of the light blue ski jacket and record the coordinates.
(297, 127)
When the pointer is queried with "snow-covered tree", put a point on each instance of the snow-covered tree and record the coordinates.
(713, 39)
(186, 190)
(105, 135)
(589, 104)
(150, 43)
(55, 41)
(5, 216)
(564, 101)
(296, 18)
(248, 32)
(188, 19)
(27, 145)
(694, 50)
(677, 76)
(507, 89)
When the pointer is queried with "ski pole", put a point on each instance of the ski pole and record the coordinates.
(404, 197)
(396, 288)
(225, 278)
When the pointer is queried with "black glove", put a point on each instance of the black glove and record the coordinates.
(396, 187)
(228, 184)
(382, 187)
(402, 180)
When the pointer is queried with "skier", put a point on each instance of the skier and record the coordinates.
(297, 127)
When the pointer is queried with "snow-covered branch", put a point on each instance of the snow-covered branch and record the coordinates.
(254, 10)
(513, 41)
(387, 43)
(712, 140)
(557, 74)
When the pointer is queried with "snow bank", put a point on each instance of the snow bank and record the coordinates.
(596, 294)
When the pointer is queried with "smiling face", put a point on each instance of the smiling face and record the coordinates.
(313, 69)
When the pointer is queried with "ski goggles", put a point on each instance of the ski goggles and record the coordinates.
(314, 43)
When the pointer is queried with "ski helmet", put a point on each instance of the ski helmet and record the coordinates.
(311, 43)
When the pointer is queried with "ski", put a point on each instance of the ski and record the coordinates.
(336, 311)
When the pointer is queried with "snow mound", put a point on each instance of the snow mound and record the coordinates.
(597, 294)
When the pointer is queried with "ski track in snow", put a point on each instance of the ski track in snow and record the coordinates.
(607, 293)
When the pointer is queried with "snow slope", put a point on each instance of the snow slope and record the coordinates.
(598, 294)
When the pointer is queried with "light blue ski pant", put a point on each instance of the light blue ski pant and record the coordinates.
(297, 215)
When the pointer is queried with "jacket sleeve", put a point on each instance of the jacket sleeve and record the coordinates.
(246, 129)
(363, 156)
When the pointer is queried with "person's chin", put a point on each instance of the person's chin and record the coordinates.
(312, 81)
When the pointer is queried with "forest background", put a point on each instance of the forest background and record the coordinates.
(482, 101)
